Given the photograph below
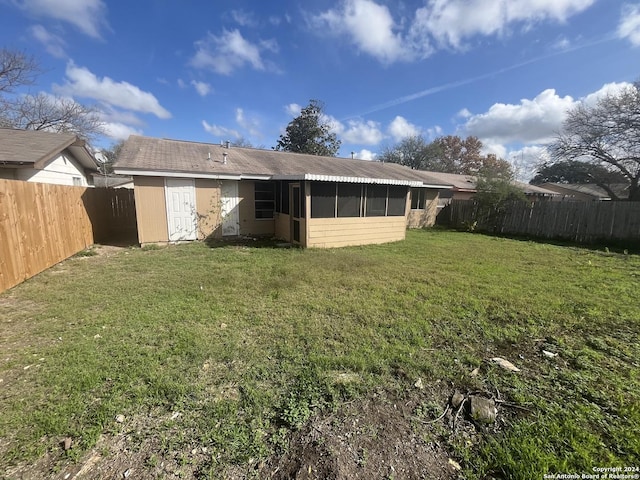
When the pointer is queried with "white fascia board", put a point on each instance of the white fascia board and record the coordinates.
(439, 187)
(155, 173)
(343, 179)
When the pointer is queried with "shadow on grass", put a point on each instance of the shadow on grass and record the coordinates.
(247, 242)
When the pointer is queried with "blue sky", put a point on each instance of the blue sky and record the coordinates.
(503, 70)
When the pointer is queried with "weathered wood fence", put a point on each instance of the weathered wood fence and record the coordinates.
(581, 222)
(42, 224)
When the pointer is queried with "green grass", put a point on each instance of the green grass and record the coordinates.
(248, 343)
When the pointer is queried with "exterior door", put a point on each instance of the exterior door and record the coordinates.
(182, 219)
(230, 206)
(295, 204)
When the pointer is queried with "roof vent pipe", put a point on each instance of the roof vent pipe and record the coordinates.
(227, 144)
(224, 158)
(209, 156)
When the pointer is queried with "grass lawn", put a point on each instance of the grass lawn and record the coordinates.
(234, 348)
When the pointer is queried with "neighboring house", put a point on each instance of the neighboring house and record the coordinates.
(464, 188)
(45, 157)
(189, 190)
(586, 191)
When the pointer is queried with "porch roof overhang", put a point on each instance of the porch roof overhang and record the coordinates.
(298, 177)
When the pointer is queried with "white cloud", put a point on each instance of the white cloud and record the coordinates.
(182, 83)
(244, 19)
(525, 161)
(400, 128)
(53, 44)
(293, 109)
(202, 88)
(119, 131)
(369, 26)
(451, 22)
(629, 26)
(464, 113)
(435, 131)
(228, 52)
(530, 121)
(250, 124)
(365, 154)
(89, 16)
(83, 83)
(361, 132)
(223, 132)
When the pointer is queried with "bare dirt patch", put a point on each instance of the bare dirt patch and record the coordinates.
(370, 439)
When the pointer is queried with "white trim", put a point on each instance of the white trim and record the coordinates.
(300, 177)
(146, 173)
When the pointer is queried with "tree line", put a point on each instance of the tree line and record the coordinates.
(598, 143)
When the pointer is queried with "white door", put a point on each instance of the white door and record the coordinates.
(230, 205)
(182, 219)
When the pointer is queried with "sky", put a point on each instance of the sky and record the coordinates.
(505, 71)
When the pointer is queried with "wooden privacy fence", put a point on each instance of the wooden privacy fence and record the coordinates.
(43, 224)
(581, 222)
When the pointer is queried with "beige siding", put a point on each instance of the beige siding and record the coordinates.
(208, 208)
(151, 210)
(249, 225)
(426, 217)
(283, 226)
(341, 232)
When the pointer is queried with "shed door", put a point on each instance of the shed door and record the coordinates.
(182, 218)
(230, 206)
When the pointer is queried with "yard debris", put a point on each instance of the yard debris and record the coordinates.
(482, 410)
(456, 399)
(120, 418)
(27, 367)
(549, 354)
(419, 384)
(455, 464)
(175, 415)
(97, 335)
(66, 443)
(127, 473)
(475, 372)
(223, 326)
(506, 364)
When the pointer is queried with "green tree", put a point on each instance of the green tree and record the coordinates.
(310, 133)
(111, 155)
(413, 152)
(605, 135)
(576, 171)
(448, 154)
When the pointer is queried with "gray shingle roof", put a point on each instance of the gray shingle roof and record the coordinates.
(36, 147)
(154, 155)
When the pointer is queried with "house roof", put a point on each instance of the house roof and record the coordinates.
(164, 157)
(590, 189)
(35, 148)
(467, 183)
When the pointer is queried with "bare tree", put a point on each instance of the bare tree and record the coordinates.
(605, 134)
(16, 69)
(41, 111)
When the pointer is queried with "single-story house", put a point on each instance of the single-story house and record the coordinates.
(585, 191)
(190, 190)
(45, 157)
(464, 188)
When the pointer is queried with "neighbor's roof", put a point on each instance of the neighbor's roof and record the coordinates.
(620, 189)
(163, 157)
(36, 148)
(467, 183)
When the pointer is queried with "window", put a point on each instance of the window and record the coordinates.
(397, 201)
(349, 200)
(323, 200)
(417, 198)
(264, 199)
(77, 181)
(376, 200)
